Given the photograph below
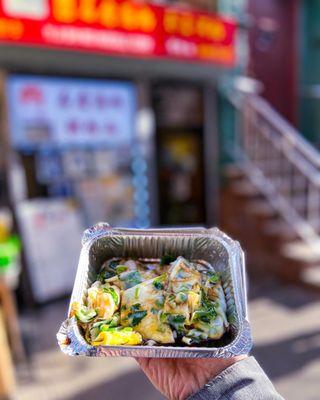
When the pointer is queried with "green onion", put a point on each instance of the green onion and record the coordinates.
(105, 274)
(131, 278)
(163, 317)
(115, 320)
(158, 285)
(171, 300)
(113, 264)
(106, 328)
(85, 315)
(186, 287)
(127, 329)
(214, 278)
(94, 332)
(121, 268)
(113, 294)
(160, 301)
(99, 323)
(181, 297)
(158, 282)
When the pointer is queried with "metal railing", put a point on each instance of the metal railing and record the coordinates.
(283, 166)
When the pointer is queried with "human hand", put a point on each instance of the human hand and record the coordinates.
(178, 378)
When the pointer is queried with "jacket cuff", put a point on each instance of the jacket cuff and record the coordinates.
(243, 380)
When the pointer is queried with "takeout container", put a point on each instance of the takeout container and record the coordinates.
(209, 246)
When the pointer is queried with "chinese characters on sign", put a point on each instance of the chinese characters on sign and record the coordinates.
(70, 112)
(119, 27)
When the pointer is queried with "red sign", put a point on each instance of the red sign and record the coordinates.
(119, 27)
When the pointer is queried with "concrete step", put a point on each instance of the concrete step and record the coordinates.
(233, 171)
(310, 277)
(243, 187)
(279, 229)
(272, 247)
(299, 251)
(260, 208)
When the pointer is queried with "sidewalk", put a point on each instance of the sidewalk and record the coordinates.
(286, 329)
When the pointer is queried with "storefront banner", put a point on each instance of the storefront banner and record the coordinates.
(119, 27)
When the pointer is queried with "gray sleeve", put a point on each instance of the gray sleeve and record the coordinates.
(244, 380)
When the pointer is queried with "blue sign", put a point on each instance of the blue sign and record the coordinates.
(70, 112)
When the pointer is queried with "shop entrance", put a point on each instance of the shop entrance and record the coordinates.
(179, 114)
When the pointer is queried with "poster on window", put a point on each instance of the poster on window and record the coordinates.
(51, 230)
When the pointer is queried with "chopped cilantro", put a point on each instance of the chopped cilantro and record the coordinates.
(207, 311)
(176, 321)
(203, 315)
(136, 317)
(176, 318)
(136, 307)
(158, 285)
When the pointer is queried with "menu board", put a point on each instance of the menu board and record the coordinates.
(69, 112)
(51, 231)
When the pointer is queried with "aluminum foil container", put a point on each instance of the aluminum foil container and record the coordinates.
(207, 246)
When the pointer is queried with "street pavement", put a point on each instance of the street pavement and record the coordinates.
(286, 328)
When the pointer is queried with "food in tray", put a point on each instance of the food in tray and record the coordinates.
(133, 302)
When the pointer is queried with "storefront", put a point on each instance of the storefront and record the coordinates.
(108, 118)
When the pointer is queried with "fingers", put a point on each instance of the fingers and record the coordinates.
(143, 362)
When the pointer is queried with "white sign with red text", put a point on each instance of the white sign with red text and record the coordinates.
(63, 112)
(51, 230)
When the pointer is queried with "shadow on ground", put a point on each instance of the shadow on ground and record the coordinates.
(133, 385)
(295, 354)
(289, 296)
